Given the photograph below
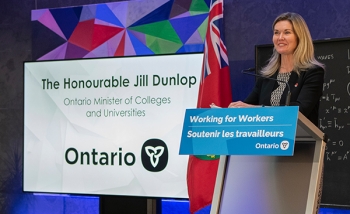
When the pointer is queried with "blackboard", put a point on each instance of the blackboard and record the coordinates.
(334, 115)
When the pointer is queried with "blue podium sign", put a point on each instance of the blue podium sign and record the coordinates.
(266, 131)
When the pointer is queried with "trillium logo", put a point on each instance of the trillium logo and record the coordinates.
(154, 155)
(284, 145)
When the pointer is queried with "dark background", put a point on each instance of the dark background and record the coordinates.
(247, 23)
(334, 115)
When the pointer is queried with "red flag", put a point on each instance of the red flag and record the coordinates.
(215, 88)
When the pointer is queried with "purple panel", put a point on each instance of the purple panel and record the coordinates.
(58, 53)
(120, 11)
(36, 14)
(185, 27)
(195, 38)
(100, 51)
(48, 20)
(87, 13)
(44, 40)
(159, 14)
(186, 14)
(113, 43)
(104, 13)
(140, 36)
(100, 22)
(75, 52)
(129, 48)
(139, 9)
(180, 7)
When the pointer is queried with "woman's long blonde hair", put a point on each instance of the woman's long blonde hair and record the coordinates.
(303, 55)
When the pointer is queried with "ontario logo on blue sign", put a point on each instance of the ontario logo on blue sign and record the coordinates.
(240, 131)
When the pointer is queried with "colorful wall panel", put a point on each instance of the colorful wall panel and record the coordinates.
(119, 29)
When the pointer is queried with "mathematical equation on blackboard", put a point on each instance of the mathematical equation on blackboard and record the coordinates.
(334, 118)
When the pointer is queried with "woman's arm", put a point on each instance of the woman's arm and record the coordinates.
(311, 91)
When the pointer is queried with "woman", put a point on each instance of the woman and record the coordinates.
(292, 61)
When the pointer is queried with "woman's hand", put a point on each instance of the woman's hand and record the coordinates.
(239, 104)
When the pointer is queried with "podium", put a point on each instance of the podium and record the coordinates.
(273, 184)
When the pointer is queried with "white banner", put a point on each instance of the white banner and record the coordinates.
(108, 126)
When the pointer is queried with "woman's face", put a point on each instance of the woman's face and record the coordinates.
(284, 38)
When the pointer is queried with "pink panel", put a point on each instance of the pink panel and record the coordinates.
(113, 43)
(48, 20)
(36, 14)
(129, 48)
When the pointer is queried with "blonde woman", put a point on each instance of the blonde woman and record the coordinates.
(292, 61)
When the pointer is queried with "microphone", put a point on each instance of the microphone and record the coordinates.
(246, 71)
